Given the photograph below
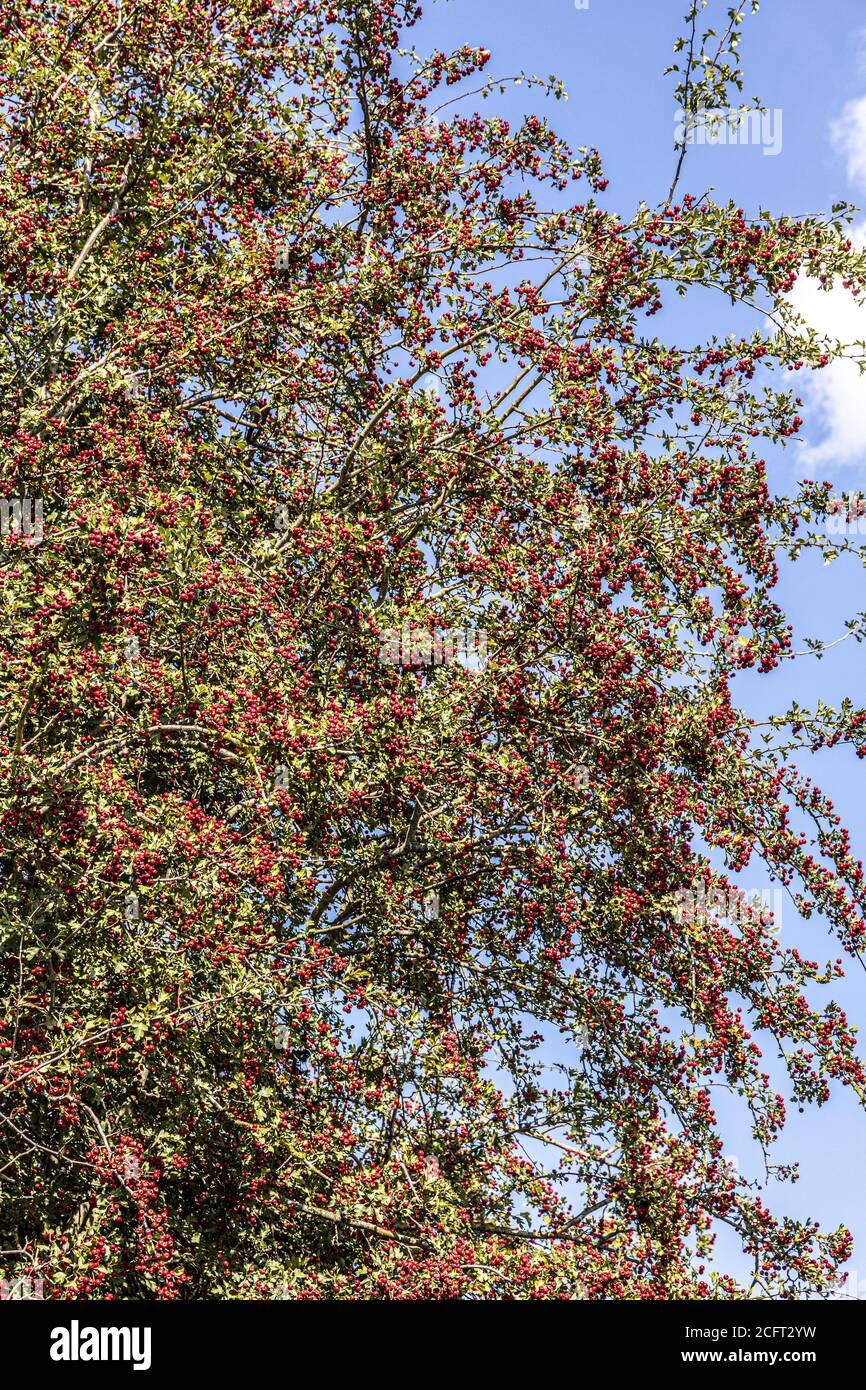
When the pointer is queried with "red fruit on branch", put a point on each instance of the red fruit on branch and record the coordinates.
(370, 685)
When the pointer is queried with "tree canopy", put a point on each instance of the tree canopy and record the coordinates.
(369, 750)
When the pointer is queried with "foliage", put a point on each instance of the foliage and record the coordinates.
(329, 976)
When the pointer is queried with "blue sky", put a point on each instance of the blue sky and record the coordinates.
(807, 62)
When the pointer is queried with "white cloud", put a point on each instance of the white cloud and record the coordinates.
(835, 396)
(848, 135)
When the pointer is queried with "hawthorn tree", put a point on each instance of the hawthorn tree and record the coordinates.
(374, 581)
